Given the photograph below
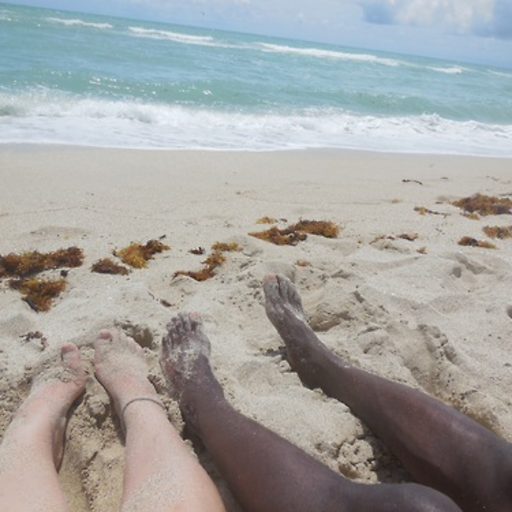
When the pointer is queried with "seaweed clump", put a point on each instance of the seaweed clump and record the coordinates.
(323, 228)
(498, 232)
(108, 266)
(226, 247)
(484, 205)
(34, 262)
(422, 210)
(137, 255)
(473, 242)
(21, 269)
(410, 237)
(276, 236)
(295, 233)
(212, 262)
(266, 220)
(39, 293)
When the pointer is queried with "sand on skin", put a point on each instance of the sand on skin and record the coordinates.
(428, 313)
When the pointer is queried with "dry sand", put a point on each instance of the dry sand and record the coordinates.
(427, 312)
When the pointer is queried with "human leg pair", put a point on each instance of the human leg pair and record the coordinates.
(265, 472)
(161, 475)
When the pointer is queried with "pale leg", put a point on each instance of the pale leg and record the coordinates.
(161, 473)
(33, 444)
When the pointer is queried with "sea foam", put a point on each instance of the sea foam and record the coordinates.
(72, 22)
(329, 54)
(177, 37)
(59, 118)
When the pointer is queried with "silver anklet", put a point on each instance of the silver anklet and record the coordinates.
(142, 398)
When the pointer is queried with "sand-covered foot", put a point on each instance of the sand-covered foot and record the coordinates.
(185, 363)
(54, 389)
(121, 368)
(283, 305)
(62, 383)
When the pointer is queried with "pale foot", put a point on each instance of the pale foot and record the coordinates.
(185, 363)
(121, 368)
(53, 392)
(306, 353)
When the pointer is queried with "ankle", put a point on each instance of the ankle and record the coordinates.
(320, 368)
(141, 409)
(200, 402)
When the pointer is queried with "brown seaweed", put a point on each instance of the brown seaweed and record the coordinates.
(286, 236)
(295, 233)
(39, 293)
(137, 255)
(473, 242)
(33, 262)
(422, 210)
(226, 247)
(323, 228)
(410, 237)
(484, 205)
(472, 216)
(212, 262)
(266, 220)
(500, 232)
(108, 266)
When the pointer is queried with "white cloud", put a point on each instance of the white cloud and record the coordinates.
(483, 17)
(457, 14)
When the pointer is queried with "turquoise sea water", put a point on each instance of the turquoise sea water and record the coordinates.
(94, 80)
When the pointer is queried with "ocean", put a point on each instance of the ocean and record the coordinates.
(81, 79)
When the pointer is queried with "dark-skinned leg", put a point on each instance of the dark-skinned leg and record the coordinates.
(441, 447)
(265, 472)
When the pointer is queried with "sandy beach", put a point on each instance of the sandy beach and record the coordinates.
(394, 293)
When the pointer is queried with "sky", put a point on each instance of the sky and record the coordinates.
(462, 30)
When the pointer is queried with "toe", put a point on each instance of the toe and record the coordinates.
(69, 352)
(177, 329)
(185, 321)
(271, 287)
(172, 333)
(104, 338)
(196, 322)
(105, 334)
(71, 358)
(291, 293)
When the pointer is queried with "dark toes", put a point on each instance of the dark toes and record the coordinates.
(195, 322)
(271, 286)
(183, 322)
